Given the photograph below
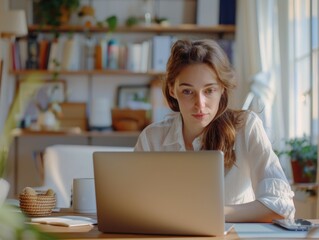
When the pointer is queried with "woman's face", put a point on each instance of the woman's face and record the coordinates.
(198, 93)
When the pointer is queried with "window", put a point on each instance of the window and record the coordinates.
(303, 15)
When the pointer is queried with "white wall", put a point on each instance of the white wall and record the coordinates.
(177, 11)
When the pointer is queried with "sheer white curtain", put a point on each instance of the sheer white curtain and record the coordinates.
(7, 84)
(258, 64)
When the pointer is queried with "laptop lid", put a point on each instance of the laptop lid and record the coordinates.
(174, 193)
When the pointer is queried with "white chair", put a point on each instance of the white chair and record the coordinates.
(63, 163)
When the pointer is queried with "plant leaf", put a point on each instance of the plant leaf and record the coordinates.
(112, 23)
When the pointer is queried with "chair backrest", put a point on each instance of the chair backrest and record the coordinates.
(63, 163)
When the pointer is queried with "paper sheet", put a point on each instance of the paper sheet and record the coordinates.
(66, 221)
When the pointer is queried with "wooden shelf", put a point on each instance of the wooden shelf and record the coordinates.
(183, 28)
(86, 72)
(73, 132)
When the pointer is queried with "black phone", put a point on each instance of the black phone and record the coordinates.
(295, 224)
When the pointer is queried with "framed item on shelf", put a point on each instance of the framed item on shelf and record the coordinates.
(37, 96)
(133, 96)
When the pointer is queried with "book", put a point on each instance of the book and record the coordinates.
(70, 54)
(113, 54)
(52, 62)
(134, 54)
(123, 57)
(43, 52)
(33, 52)
(98, 56)
(65, 221)
(145, 56)
(103, 43)
(207, 12)
(23, 48)
(15, 56)
(161, 51)
(227, 12)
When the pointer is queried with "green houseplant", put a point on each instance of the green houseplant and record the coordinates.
(55, 12)
(12, 221)
(303, 155)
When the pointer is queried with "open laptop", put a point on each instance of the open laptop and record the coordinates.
(171, 193)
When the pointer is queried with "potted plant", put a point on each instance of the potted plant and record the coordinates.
(56, 12)
(303, 155)
(12, 221)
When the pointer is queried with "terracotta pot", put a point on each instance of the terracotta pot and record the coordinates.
(303, 172)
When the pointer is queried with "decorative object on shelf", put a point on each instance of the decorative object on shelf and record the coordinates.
(129, 120)
(100, 114)
(112, 23)
(131, 21)
(40, 99)
(134, 97)
(162, 21)
(47, 119)
(148, 14)
(303, 155)
(56, 12)
(87, 16)
(73, 116)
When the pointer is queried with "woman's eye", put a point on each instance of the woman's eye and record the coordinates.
(210, 90)
(187, 92)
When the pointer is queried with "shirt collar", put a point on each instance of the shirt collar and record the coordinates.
(175, 135)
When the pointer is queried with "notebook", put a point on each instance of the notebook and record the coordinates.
(171, 193)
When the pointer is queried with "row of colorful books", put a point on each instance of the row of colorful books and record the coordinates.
(85, 53)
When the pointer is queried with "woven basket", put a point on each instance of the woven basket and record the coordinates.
(37, 205)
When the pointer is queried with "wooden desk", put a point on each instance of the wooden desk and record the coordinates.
(92, 232)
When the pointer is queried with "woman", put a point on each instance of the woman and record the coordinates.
(198, 81)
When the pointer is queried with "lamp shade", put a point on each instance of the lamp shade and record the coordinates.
(13, 22)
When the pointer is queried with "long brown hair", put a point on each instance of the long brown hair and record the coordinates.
(221, 132)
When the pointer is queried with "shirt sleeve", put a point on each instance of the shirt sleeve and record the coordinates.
(269, 182)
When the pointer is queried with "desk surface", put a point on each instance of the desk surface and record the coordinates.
(91, 232)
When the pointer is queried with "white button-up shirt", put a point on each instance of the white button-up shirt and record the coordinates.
(257, 173)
